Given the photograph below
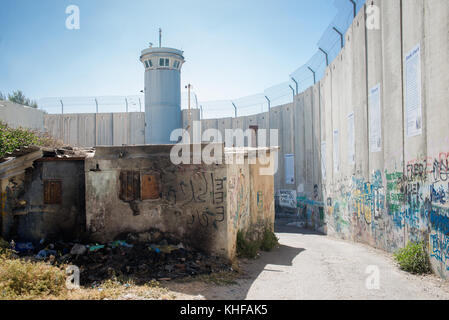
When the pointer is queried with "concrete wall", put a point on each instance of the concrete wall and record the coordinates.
(102, 129)
(396, 194)
(16, 115)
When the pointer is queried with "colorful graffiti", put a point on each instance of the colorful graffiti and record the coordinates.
(392, 208)
(239, 198)
(439, 248)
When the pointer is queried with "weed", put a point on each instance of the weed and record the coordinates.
(247, 248)
(269, 240)
(413, 258)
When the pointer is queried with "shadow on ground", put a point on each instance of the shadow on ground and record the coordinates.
(251, 269)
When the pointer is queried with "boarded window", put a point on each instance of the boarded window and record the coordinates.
(129, 186)
(150, 187)
(52, 192)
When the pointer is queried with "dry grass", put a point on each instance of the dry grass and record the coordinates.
(26, 280)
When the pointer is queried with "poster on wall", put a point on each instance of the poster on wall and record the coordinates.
(289, 161)
(336, 151)
(375, 120)
(323, 159)
(287, 199)
(351, 139)
(413, 98)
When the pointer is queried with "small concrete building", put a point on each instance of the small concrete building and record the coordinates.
(42, 196)
(104, 196)
(138, 188)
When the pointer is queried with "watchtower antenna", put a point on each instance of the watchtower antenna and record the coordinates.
(160, 37)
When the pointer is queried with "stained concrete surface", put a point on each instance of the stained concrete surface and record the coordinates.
(308, 266)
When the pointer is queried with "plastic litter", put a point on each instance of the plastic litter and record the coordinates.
(24, 247)
(43, 254)
(154, 248)
(120, 243)
(164, 249)
(96, 248)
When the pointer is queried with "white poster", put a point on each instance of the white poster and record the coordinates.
(413, 98)
(323, 159)
(289, 168)
(336, 151)
(351, 139)
(287, 199)
(375, 120)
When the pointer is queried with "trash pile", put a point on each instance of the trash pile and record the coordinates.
(136, 258)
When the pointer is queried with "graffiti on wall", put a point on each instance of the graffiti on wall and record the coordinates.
(392, 208)
(287, 199)
(238, 195)
(204, 193)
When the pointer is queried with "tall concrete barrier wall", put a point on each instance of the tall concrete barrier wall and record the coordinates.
(368, 143)
(394, 81)
(16, 115)
(102, 129)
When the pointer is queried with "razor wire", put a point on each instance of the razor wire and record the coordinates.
(328, 48)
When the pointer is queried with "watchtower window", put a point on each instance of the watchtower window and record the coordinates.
(146, 64)
(163, 62)
(176, 64)
(150, 63)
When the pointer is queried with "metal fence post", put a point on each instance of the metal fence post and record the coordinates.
(341, 37)
(314, 75)
(355, 7)
(293, 92)
(326, 54)
(297, 86)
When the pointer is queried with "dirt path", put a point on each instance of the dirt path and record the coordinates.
(311, 266)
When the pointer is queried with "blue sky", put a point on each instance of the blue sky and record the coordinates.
(233, 48)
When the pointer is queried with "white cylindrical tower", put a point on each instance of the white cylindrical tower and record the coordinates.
(162, 93)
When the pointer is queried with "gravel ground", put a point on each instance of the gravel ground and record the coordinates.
(312, 266)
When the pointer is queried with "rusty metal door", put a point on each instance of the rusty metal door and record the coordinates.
(150, 187)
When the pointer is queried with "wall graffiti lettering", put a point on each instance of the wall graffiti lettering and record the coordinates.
(439, 248)
(205, 193)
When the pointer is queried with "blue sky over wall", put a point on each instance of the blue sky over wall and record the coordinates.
(232, 48)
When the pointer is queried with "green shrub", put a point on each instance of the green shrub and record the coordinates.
(249, 248)
(269, 240)
(413, 258)
(21, 279)
(246, 248)
(12, 139)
